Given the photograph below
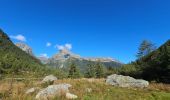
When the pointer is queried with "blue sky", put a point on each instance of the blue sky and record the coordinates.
(94, 28)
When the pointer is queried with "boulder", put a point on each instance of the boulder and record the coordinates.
(49, 78)
(126, 81)
(52, 91)
(71, 96)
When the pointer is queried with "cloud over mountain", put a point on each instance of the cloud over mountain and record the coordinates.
(18, 37)
(67, 46)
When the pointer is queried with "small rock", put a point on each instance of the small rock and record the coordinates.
(50, 78)
(29, 91)
(71, 96)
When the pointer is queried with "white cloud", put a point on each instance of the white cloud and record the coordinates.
(60, 47)
(67, 46)
(48, 44)
(18, 37)
(44, 55)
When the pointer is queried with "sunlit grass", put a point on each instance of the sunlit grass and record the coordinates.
(100, 90)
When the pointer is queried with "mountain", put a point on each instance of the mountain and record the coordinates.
(13, 59)
(43, 59)
(25, 48)
(65, 54)
(64, 58)
(28, 50)
(156, 65)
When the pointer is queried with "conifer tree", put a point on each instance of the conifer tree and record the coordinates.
(145, 48)
(99, 70)
(90, 71)
(73, 71)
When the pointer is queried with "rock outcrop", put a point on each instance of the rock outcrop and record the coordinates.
(65, 54)
(126, 81)
(25, 48)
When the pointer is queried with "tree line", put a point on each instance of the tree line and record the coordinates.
(152, 64)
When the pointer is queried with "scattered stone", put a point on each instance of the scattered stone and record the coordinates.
(126, 81)
(52, 91)
(50, 78)
(89, 90)
(32, 90)
(71, 96)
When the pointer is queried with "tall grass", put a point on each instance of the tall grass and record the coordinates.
(100, 90)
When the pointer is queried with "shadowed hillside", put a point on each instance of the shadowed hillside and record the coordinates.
(13, 59)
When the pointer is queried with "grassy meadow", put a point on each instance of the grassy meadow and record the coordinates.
(98, 90)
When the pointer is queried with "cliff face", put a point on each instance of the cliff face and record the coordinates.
(25, 48)
(65, 54)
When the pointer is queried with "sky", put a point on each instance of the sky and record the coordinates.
(90, 28)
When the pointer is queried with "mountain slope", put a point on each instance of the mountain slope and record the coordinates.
(13, 59)
(65, 58)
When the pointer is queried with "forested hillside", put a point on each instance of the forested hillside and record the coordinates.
(154, 66)
(13, 59)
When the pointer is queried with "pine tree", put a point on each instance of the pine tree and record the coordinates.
(145, 48)
(90, 71)
(99, 70)
(73, 71)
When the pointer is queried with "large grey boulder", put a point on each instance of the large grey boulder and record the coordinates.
(126, 81)
(50, 78)
(52, 91)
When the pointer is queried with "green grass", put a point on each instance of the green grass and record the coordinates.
(100, 91)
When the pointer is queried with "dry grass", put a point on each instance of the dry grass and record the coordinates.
(160, 87)
(100, 91)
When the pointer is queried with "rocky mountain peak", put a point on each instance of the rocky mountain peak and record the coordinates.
(65, 54)
(64, 51)
(25, 48)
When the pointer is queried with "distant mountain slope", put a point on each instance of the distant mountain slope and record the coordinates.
(156, 65)
(13, 59)
(65, 57)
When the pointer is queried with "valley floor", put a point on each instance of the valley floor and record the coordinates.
(87, 89)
